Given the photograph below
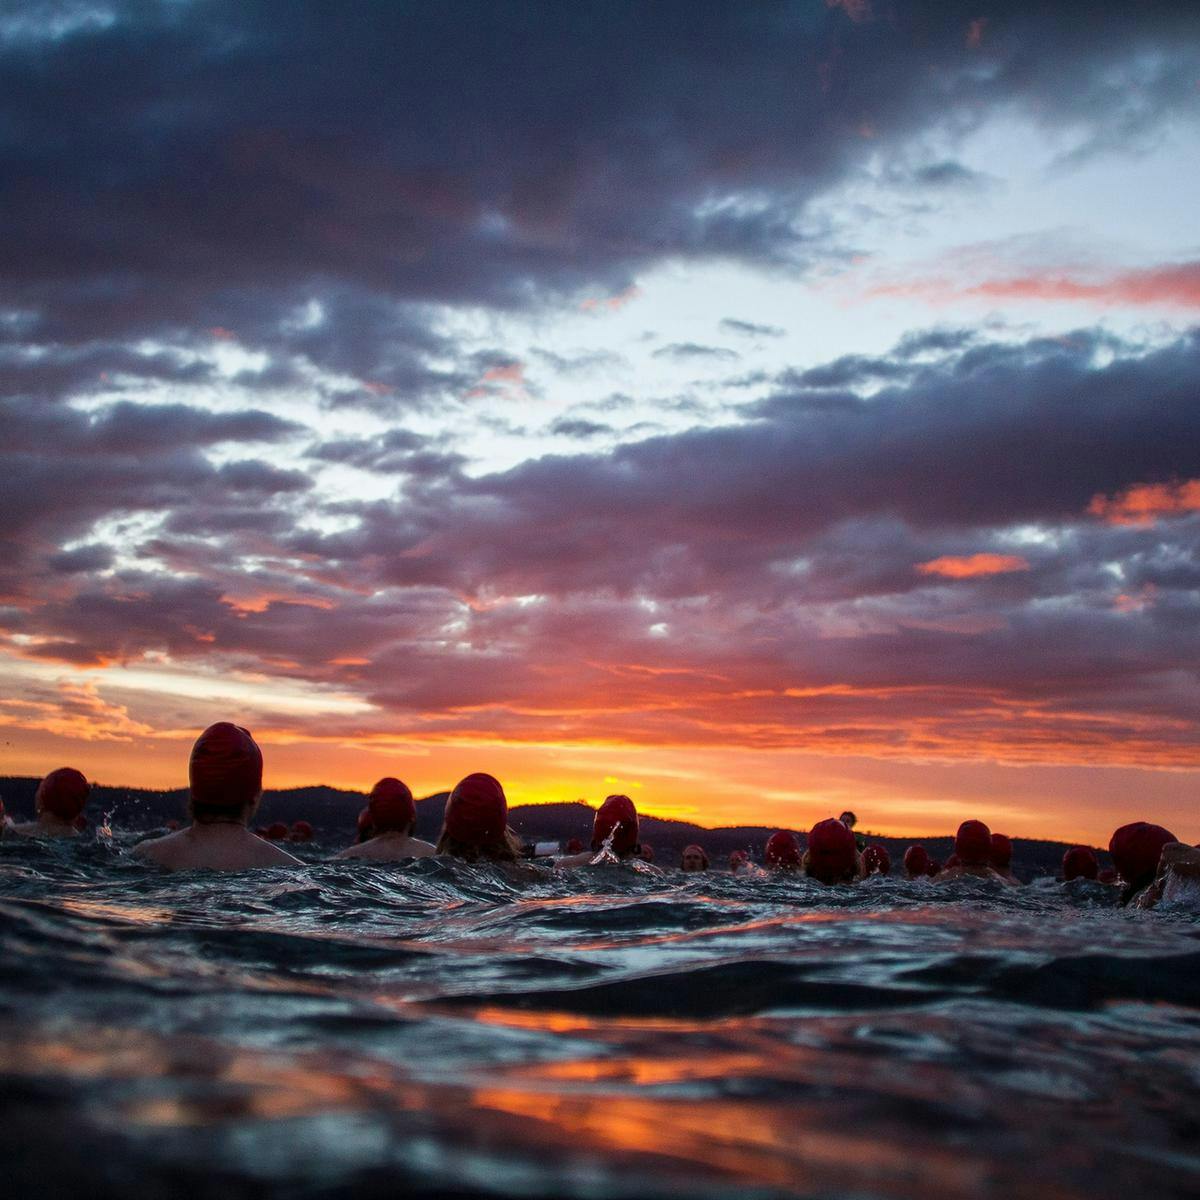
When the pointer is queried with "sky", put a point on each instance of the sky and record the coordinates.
(758, 409)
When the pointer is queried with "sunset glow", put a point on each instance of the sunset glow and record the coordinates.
(764, 433)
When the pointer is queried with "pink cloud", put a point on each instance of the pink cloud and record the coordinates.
(857, 10)
(1176, 285)
(971, 566)
(612, 303)
(1144, 503)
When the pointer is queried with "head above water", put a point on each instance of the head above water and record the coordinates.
(277, 832)
(1136, 849)
(832, 852)
(391, 807)
(1002, 851)
(616, 816)
(848, 819)
(62, 795)
(738, 859)
(693, 858)
(477, 815)
(302, 831)
(574, 846)
(782, 851)
(1080, 863)
(973, 844)
(225, 773)
(646, 852)
(916, 861)
(876, 860)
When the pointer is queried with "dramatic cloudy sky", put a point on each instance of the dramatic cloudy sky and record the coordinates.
(759, 408)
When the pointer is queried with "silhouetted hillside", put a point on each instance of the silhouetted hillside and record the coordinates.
(333, 813)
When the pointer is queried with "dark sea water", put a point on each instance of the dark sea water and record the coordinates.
(434, 1029)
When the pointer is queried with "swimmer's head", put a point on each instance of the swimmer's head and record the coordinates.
(848, 819)
(302, 831)
(916, 861)
(575, 846)
(365, 830)
(738, 859)
(62, 795)
(693, 858)
(832, 852)
(1001, 855)
(876, 860)
(616, 816)
(476, 821)
(1135, 851)
(1080, 863)
(646, 852)
(225, 772)
(391, 807)
(973, 844)
(782, 851)
(277, 831)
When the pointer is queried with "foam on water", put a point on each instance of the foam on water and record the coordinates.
(437, 1029)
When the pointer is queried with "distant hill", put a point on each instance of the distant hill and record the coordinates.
(333, 812)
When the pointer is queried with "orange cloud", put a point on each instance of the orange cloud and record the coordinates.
(970, 566)
(1144, 503)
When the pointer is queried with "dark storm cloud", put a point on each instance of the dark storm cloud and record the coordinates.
(221, 165)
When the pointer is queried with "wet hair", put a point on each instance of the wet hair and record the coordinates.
(506, 848)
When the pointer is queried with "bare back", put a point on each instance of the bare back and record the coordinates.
(388, 847)
(219, 847)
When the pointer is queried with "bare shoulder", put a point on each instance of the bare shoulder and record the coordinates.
(270, 855)
(159, 849)
(354, 851)
(420, 849)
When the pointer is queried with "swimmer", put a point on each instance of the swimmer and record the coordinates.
(917, 862)
(972, 854)
(364, 830)
(616, 822)
(646, 852)
(392, 816)
(1079, 863)
(693, 858)
(850, 820)
(832, 855)
(574, 846)
(277, 832)
(225, 774)
(1001, 858)
(876, 860)
(782, 851)
(475, 826)
(1136, 851)
(59, 803)
(739, 862)
(302, 831)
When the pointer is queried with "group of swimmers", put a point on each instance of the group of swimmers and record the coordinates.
(225, 775)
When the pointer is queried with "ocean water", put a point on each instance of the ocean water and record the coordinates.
(434, 1029)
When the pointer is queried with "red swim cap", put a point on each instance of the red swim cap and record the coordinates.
(916, 861)
(973, 844)
(738, 858)
(617, 816)
(694, 849)
(1135, 851)
(782, 850)
(877, 860)
(832, 852)
(302, 831)
(62, 794)
(1001, 855)
(574, 846)
(1080, 863)
(477, 812)
(277, 832)
(226, 766)
(646, 852)
(391, 806)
